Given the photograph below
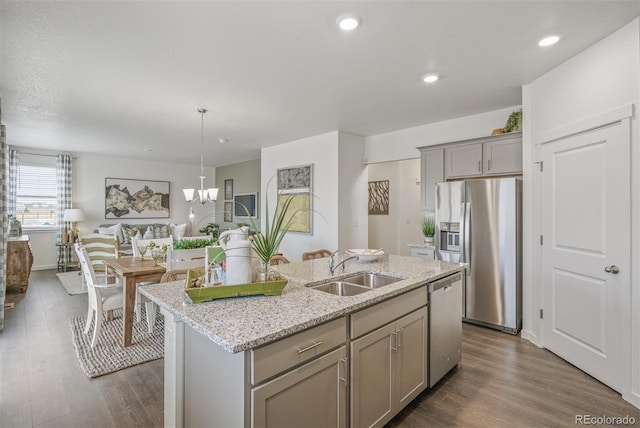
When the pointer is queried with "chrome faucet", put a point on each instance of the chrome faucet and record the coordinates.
(333, 267)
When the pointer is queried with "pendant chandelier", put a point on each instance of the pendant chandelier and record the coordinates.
(204, 195)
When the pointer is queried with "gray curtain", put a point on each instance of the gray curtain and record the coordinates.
(64, 178)
(3, 222)
(12, 181)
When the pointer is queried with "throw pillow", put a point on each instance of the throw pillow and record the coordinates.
(149, 233)
(162, 231)
(178, 231)
(128, 232)
(115, 229)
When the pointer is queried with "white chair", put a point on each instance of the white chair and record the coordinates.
(136, 243)
(100, 248)
(185, 259)
(102, 297)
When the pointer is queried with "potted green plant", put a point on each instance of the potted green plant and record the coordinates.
(212, 229)
(428, 230)
(265, 242)
(514, 122)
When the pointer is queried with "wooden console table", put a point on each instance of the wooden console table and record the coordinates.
(19, 262)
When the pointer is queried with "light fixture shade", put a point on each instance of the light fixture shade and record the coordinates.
(188, 194)
(213, 194)
(73, 214)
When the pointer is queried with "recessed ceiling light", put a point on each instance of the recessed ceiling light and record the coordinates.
(223, 140)
(549, 40)
(429, 78)
(348, 22)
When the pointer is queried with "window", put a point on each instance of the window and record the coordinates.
(36, 202)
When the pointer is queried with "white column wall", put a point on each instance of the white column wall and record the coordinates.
(353, 196)
(601, 79)
(322, 152)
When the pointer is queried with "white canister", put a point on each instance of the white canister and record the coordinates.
(237, 248)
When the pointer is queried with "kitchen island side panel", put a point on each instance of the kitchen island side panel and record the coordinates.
(214, 384)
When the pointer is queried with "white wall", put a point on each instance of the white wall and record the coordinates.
(602, 78)
(402, 226)
(402, 144)
(89, 173)
(322, 152)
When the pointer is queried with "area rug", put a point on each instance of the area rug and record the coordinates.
(72, 282)
(109, 355)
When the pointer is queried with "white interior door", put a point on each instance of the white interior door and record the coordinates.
(586, 251)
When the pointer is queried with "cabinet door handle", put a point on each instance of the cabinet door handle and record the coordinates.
(479, 166)
(394, 341)
(400, 337)
(489, 165)
(314, 345)
(343, 378)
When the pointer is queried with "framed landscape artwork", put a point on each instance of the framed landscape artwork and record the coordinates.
(228, 189)
(228, 212)
(127, 198)
(297, 181)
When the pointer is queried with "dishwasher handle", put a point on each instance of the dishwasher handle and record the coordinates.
(445, 282)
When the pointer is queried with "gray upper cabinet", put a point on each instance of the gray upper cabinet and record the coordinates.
(503, 157)
(431, 172)
(463, 161)
(479, 157)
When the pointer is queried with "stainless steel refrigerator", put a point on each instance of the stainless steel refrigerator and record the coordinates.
(479, 222)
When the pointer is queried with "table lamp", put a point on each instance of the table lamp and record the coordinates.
(73, 215)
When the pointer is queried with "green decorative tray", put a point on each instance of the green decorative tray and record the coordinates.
(205, 294)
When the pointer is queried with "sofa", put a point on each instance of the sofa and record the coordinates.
(125, 232)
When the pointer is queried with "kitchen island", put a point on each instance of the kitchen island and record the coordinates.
(226, 359)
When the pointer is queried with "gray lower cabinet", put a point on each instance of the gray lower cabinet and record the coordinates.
(388, 369)
(314, 395)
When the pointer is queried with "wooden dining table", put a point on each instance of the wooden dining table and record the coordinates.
(131, 271)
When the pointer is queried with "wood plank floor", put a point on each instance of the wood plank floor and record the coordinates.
(503, 381)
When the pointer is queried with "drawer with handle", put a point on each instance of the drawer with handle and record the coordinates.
(276, 357)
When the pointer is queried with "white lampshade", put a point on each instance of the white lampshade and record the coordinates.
(213, 194)
(73, 214)
(188, 194)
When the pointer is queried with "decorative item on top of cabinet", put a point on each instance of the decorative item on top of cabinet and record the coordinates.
(19, 262)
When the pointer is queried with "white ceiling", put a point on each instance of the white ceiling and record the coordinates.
(122, 77)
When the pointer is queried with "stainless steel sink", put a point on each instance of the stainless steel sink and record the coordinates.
(356, 284)
(340, 288)
(372, 280)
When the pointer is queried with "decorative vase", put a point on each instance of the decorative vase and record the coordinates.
(263, 274)
(428, 240)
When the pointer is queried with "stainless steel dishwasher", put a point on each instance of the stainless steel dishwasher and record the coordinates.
(445, 322)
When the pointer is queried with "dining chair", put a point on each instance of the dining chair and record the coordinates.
(317, 254)
(185, 259)
(137, 243)
(278, 259)
(100, 248)
(135, 246)
(101, 297)
(174, 275)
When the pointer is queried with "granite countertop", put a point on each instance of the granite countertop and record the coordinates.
(239, 324)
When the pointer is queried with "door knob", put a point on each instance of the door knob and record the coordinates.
(612, 269)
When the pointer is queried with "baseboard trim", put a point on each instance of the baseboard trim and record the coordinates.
(528, 335)
(44, 267)
(632, 398)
